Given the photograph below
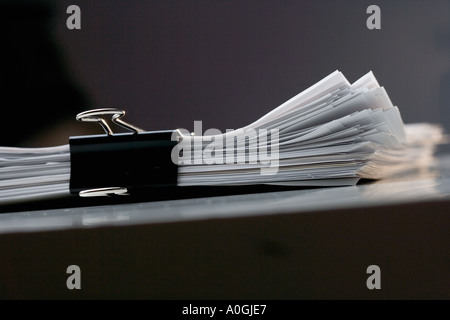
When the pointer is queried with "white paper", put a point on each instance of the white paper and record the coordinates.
(333, 133)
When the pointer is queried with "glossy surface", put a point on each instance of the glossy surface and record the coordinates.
(429, 185)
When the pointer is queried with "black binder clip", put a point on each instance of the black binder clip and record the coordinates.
(120, 163)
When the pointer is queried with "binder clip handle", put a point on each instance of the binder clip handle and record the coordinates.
(97, 192)
(94, 115)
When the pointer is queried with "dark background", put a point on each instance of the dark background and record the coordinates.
(169, 63)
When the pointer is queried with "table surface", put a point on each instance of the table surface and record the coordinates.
(431, 184)
(293, 244)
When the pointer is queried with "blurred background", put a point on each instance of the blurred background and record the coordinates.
(169, 63)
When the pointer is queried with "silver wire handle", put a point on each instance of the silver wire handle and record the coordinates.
(99, 192)
(94, 116)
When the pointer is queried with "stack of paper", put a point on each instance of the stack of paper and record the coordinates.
(34, 173)
(333, 133)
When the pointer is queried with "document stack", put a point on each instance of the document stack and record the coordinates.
(334, 133)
